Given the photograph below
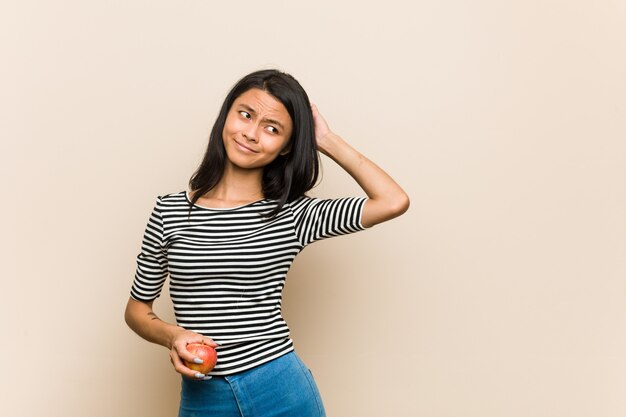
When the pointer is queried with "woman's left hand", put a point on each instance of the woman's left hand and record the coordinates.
(386, 199)
(322, 131)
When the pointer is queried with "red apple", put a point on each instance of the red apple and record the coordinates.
(204, 352)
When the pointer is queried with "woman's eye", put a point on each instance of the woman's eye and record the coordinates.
(245, 114)
(272, 129)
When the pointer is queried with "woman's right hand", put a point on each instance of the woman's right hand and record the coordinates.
(141, 318)
(179, 352)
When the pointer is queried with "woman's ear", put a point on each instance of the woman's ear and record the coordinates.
(286, 150)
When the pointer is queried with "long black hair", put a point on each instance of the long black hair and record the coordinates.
(289, 176)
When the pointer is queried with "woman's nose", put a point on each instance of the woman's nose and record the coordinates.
(250, 133)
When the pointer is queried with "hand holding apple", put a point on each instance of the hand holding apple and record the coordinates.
(206, 353)
(182, 358)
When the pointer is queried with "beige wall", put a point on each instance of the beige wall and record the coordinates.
(501, 292)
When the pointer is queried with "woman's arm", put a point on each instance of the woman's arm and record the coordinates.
(142, 320)
(386, 198)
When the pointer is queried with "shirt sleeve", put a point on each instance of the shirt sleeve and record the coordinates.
(317, 219)
(152, 260)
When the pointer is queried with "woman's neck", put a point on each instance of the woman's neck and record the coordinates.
(236, 187)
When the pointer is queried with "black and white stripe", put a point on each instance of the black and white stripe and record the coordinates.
(227, 268)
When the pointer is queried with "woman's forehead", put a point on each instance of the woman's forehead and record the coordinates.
(263, 104)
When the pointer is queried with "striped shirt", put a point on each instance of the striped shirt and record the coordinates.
(227, 268)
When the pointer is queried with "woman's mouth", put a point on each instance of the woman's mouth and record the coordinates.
(244, 148)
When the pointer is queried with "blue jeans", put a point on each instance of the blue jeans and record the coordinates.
(281, 387)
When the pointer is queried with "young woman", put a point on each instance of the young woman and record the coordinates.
(228, 243)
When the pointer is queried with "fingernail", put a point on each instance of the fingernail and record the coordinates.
(197, 360)
(199, 375)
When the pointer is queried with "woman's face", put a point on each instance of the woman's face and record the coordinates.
(257, 129)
